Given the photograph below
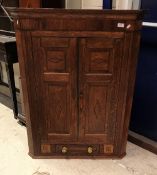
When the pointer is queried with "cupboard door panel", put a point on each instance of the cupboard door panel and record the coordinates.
(58, 100)
(56, 87)
(97, 96)
(99, 74)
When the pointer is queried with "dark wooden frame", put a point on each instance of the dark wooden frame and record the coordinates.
(143, 142)
(9, 59)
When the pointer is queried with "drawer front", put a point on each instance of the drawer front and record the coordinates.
(70, 150)
(77, 149)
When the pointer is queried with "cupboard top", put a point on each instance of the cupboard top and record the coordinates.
(76, 20)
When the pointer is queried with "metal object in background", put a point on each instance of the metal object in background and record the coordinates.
(150, 24)
(5, 11)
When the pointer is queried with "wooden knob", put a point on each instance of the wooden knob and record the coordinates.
(90, 150)
(64, 150)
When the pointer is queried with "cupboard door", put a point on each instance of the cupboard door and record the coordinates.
(55, 70)
(99, 67)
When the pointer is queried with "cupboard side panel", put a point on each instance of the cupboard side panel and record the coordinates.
(26, 64)
(134, 50)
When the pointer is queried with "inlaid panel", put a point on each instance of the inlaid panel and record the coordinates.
(56, 60)
(45, 148)
(99, 55)
(100, 61)
(56, 54)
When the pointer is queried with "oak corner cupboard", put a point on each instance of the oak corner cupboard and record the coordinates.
(78, 71)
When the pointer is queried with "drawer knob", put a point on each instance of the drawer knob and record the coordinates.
(90, 150)
(64, 150)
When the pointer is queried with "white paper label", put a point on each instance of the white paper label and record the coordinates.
(121, 25)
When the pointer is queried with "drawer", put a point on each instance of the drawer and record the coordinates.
(77, 149)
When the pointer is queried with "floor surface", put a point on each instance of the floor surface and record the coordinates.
(14, 159)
